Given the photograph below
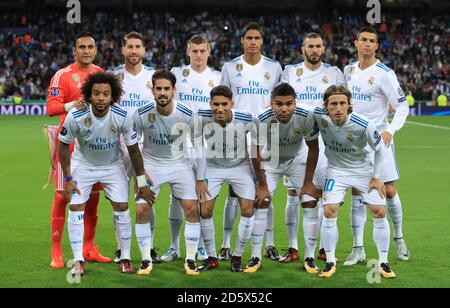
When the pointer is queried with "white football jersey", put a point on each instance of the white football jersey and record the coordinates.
(252, 85)
(373, 89)
(98, 138)
(291, 135)
(165, 137)
(226, 146)
(137, 90)
(346, 145)
(192, 88)
(311, 85)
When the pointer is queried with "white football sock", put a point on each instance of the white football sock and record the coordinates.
(209, 236)
(330, 237)
(394, 207)
(229, 218)
(269, 227)
(191, 235)
(381, 237)
(310, 225)
(358, 220)
(76, 233)
(144, 238)
(115, 232)
(258, 232)
(124, 231)
(176, 216)
(319, 227)
(292, 218)
(244, 233)
(152, 226)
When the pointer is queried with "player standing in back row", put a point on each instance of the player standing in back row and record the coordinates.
(374, 87)
(136, 81)
(63, 94)
(310, 79)
(194, 83)
(251, 77)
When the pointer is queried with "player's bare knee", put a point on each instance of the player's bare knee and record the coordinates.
(378, 211)
(292, 193)
(120, 206)
(77, 207)
(330, 212)
(309, 204)
(391, 190)
(143, 214)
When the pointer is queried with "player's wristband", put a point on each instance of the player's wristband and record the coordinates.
(68, 178)
(141, 181)
(68, 106)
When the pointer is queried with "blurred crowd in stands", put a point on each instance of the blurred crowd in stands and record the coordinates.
(34, 46)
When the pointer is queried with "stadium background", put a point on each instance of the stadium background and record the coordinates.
(36, 40)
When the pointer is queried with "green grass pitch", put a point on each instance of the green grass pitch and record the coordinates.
(422, 154)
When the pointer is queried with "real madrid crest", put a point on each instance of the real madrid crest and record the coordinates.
(76, 77)
(352, 70)
(151, 117)
(87, 122)
(371, 81)
(325, 79)
(299, 71)
(298, 131)
(211, 83)
(239, 67)
(149, 85)
(350, 137)
(113, 128)
(266, 76)
(121, 76)
(324, 123)
(186, 72)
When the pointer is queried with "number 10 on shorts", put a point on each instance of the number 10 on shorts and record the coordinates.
(329, 184)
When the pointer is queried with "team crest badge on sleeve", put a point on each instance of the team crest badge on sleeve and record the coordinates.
(350, 137)
(325, 79)
(151, 117)
(376, 135)
(239, 67)
(55, 92)
(266, 76)
(299, 71)
(87, 122)
(113, 128)
(324, 123)
(211, 83)
(121, 76)
(186, 72)
(371, 81)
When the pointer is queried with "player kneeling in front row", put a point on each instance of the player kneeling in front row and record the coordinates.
(293, 122)
(97, 159)
(346, 136)
(165, 127)
(225, 132)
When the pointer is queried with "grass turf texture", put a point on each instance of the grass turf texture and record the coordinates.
(25, 212)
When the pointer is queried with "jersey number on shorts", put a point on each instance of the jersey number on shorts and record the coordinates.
(329, 184)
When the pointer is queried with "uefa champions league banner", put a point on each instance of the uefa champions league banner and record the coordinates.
(24, 109)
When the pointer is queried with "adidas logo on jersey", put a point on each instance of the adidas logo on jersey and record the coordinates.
(239, 75)
(152, 127)
(184, 81)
